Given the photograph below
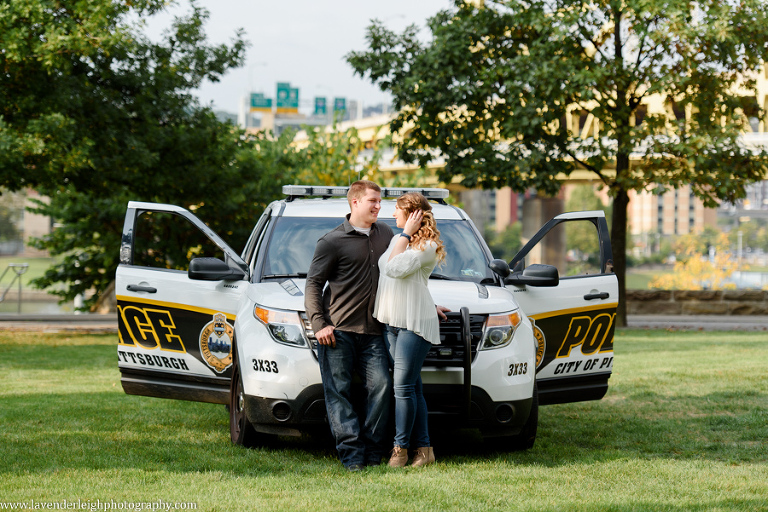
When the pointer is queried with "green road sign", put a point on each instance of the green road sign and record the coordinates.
(260, 104)
(320, 106)
(287, 98)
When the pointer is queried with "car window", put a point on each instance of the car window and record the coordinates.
(571, 246)
(256, 234)
(293, 241)
(465, 259)
(169, 241)
(293, 244)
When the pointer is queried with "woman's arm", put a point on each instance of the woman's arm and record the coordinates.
(409, 262)
(412, 226)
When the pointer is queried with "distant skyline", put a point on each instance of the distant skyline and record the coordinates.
(302, 42)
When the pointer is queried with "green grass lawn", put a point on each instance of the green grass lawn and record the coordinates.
(638, 279)
(683, 427)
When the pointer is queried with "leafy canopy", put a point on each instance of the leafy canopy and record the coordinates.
(495, 86)
(86, 100)
(93, 114)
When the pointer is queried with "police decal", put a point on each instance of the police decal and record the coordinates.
(541, 342)
(216, 343)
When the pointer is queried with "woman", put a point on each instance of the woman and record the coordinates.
(403, 303)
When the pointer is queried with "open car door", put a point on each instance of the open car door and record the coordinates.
(176, 304)
(563, 279)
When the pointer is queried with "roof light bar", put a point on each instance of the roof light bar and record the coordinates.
(387, 192)
(429, 193)
(304, 190)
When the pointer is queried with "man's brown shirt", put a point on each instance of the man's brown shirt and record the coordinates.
(348, 261)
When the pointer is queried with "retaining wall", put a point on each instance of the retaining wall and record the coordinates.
(698, 302)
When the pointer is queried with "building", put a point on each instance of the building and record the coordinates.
(28, 225)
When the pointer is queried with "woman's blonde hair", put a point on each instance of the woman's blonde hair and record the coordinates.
(428, 231)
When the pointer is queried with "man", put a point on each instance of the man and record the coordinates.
(349, 338)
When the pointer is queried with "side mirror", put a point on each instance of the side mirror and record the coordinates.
(213, 269)
(536, 275)
(499, 267)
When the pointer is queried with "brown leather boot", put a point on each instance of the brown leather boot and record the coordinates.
(424, 455)
(398, 458)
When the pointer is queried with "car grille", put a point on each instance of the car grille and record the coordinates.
(308, 330)
(450, 352)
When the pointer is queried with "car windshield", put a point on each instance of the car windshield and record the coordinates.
(293, 241)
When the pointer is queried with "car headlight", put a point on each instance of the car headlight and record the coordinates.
(499, 330)
(285, 326)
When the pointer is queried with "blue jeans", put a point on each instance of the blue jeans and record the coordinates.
(359, 440)
(407, 352)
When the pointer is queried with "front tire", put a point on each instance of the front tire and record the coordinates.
(241, 431)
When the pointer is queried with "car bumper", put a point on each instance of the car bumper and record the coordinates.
(289, 417)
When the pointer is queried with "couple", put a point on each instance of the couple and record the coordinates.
(374, 278)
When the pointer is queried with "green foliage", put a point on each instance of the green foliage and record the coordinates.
(694, 271)
(331, 156)
(94, 114)
(754, 235)
(228, 188)
(507, 243)
(512, 71)
(493, 88)
(581, 236)
(86, 100)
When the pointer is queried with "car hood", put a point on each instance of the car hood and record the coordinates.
(454, 295)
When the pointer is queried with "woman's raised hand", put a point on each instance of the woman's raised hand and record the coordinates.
(413, 223)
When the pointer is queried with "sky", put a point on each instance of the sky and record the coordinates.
(302, 42)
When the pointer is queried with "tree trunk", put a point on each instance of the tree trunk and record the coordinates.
(619, 248)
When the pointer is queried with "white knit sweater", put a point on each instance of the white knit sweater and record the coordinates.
(403, 299)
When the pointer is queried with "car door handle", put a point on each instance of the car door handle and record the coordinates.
(601, 295)
(139, 288)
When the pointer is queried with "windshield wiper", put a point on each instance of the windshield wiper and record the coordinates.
(299, 275)
(440, 276)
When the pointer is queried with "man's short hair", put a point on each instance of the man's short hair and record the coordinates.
(358, 189)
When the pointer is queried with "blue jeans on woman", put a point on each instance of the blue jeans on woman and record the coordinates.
(407, 351)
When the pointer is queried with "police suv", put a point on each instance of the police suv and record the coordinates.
(203, 322)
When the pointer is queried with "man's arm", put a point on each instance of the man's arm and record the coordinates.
(322, 262)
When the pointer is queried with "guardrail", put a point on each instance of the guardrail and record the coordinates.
(18, 270)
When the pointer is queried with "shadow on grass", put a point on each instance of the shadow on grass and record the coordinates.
(109, 430)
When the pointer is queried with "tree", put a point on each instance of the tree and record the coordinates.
(581, 236)
(242, 176)
(507, 243)
(94, 114)
(695, 271)
(87, 101)
(336, 157)
(750, 234)
(494, 88)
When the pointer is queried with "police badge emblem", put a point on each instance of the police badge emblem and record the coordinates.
(216, 343)
(541, 342)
